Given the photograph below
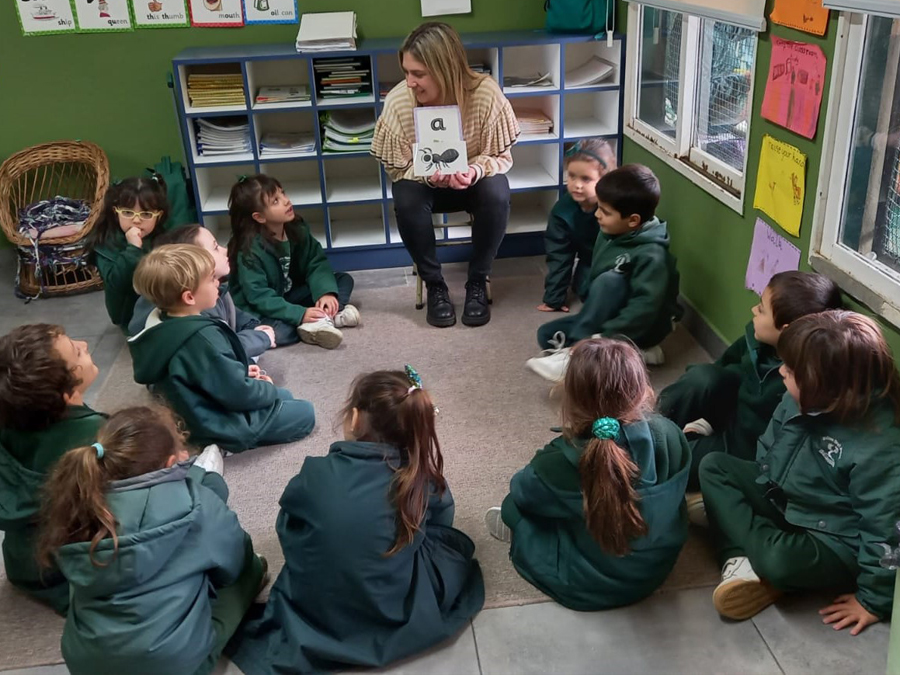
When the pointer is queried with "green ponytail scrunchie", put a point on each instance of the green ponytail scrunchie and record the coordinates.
(606, 428)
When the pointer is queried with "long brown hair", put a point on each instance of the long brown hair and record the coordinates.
(841, 364)
(392, 412)
(135, 441)
(606, 378)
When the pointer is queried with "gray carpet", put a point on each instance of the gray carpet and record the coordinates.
(493, 415)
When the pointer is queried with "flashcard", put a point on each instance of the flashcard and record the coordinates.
(217, 13)
(45, 17)
(102, 15)
(436, 156)
(160, 13)
(438, 123)
(270, 11)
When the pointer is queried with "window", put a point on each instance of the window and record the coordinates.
(690, 99)
(856, 237)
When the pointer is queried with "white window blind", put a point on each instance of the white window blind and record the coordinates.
(890, 8)
(748, 14)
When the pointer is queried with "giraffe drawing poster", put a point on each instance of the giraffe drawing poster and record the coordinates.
(780, 184)
(770, 254)
(794, 87)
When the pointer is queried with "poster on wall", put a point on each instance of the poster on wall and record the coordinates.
(45, 17)
(794, 86)
(806, 15)
(216, 13)
(770, 254)
(780, 184)
(270, 11)
(160, 13)
(96, 16)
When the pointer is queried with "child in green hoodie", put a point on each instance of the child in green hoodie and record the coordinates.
(198, 364)
(161, 572)
(44, 375)
(633, 279)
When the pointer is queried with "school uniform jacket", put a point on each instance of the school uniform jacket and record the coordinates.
(571, 232)
(116, 261)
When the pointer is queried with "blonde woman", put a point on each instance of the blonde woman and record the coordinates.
(437, 73)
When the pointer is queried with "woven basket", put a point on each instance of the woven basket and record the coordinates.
(75, 169)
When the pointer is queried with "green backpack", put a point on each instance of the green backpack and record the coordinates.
(580, 16)
(180, 196)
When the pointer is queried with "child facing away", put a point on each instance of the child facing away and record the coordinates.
(374, 570)
(160, 570)
(279, 271)
(597, 519)
(44, 375)
(199, 365)
(633, 288)
(818, 506)
(134, 213)
(726, 406)
(572, 228)
(255, 336)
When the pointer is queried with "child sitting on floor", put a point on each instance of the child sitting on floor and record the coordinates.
(279, 271)
(160, 570)
(256, 337)
(198, 364)
(597, 520)
(44, 375)
(818, 506)
(374, 570)
(633, 280)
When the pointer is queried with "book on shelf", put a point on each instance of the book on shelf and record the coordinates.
(592, 71)
(283, 94)
(347, 130)
(533, 121)
(225, 136)
(215, 89)
(343, 77)
(327, 32)
(537, 80)
(286, 143)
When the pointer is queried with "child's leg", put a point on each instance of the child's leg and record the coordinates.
(606, 297)
(745, 523)
(345, 288)
(295, 420)
(285, 333)
(706, 390)
(581, 280)
(300, 295)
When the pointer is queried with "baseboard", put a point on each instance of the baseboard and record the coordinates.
(701, 331)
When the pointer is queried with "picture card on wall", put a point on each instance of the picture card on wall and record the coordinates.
(270, 11)
(102, 15)
(45, 17)
(780, 184)
(794, 86)
(806, 15)
(770, 254)
(160, 13)
(217, 13)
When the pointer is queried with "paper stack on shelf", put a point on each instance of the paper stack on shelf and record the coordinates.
(286, 143)
(480, 68)
(347, 130)
(285, 94)
(343, 78)
(225, 136)
(327, 32)
(592, 71)
(214, 89)
(538, 80)
(533, 121)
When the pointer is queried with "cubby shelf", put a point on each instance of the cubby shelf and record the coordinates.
(346, 197)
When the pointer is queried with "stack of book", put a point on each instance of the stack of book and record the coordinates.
(226, 136)
(343, 78)
(536, 80)
(347, 130)
(593, 71)
(215, 89)
(533, 121)
(285, 94)
(276, 144)
(327, 32)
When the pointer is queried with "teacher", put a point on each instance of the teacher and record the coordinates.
(437, 73)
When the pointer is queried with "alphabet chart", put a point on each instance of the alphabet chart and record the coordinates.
(45, 17)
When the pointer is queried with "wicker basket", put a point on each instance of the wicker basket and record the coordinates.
(74, 169)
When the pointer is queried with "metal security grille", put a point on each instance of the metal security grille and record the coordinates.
(670, 27)
(888, 239)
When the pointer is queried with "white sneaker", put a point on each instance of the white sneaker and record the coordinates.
(211, 460)
(551, 367)
(495, 525)
(347, 317)
(696, 509)
(742, 594)
(321, 332)
(700, 427)
(653, 356)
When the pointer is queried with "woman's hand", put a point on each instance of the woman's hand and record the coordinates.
(544, 307)
(845, 611)
(463, 181)
(133, 237)
(328, 304)
(438, 180)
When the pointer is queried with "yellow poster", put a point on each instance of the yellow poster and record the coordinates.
(780, 184)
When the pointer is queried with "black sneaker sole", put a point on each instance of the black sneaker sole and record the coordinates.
(441, 323)
(474, 321)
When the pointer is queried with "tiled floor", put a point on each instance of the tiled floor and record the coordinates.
(677, 632)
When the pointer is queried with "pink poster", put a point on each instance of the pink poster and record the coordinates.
(794, 86)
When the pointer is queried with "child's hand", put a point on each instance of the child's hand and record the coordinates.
(462, 181)
(133, 237)
(258, 373)
(313, 314)
(268, 330)
(544, 307)
(846, 610)
(328, 304)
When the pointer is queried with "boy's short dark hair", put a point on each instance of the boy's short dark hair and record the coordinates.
(33, 378)
(794, 294)
(630, 189)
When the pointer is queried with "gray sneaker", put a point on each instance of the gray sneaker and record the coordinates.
(321, 332)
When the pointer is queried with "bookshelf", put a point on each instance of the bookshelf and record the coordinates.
(346, 197)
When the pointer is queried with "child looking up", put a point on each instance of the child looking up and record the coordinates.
(279, 271)
(44, 375)
(374, 570)
(572, 229)
(160, 570)
(198, 364)
(596, 520)
(818, 505)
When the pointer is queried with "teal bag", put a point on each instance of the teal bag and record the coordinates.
(579, 16)
(181, 202)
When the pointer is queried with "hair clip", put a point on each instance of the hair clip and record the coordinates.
(242, 178)
(606, 428)
(415, 381)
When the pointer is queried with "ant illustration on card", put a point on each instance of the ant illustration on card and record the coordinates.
(438, 160)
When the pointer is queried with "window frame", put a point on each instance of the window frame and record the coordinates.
(683, 153)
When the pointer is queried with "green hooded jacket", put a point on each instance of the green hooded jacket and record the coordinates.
(257, 281)
(116, 260)
(643, 255)
(147, 610)
(571, 232)
(198, 365)
(840, 483)
(551, 546)
(26, 459)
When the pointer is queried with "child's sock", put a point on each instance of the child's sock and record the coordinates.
(211, 460)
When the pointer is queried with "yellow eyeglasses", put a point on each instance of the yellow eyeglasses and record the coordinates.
(129, 214)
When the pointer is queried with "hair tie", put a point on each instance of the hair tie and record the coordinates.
(99, 448)
(578, 150)
(606, 428)
(415, 382)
